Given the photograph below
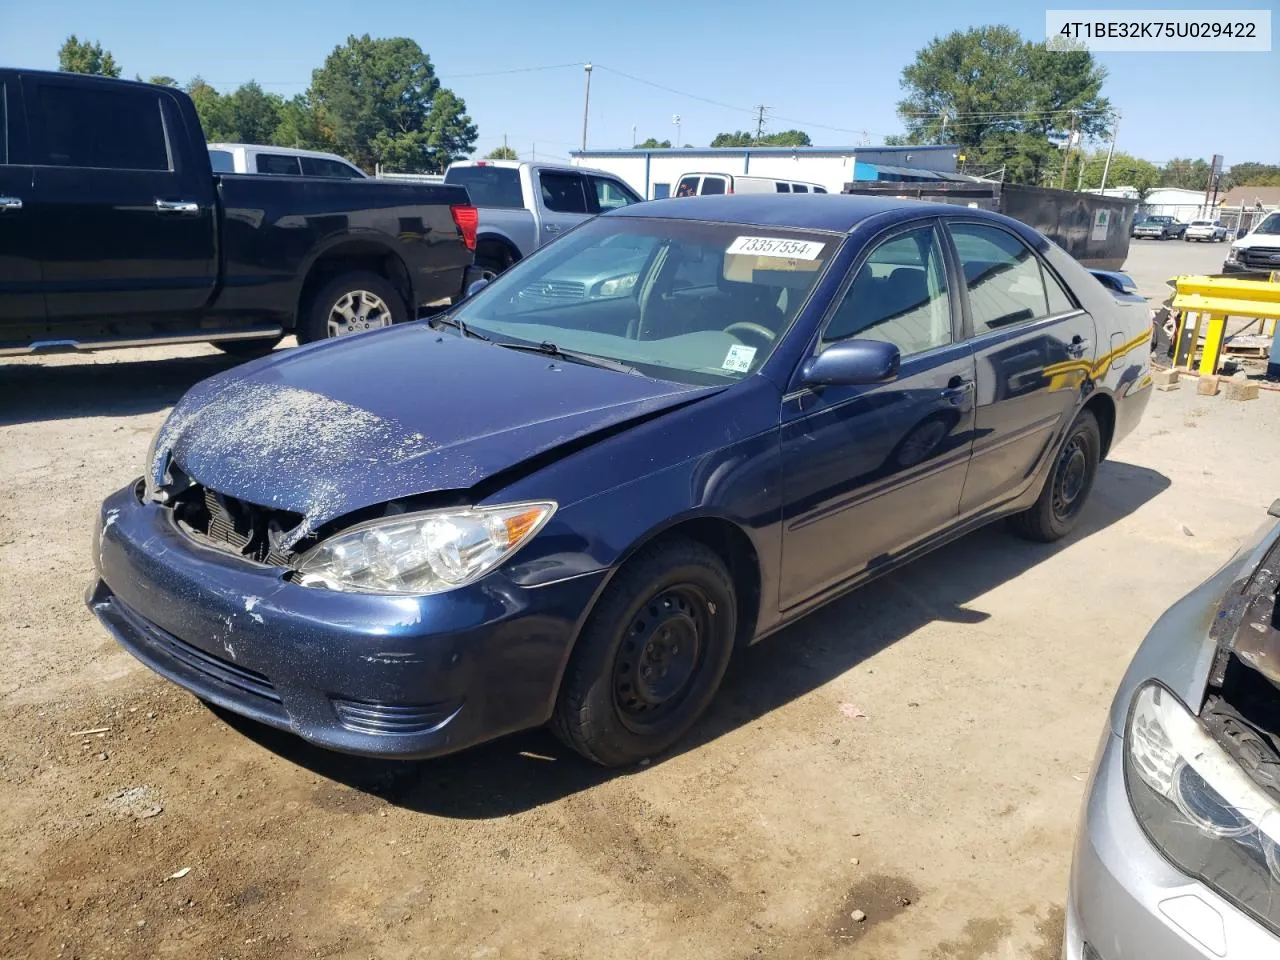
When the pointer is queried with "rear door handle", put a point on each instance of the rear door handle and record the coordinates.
(185, 207)
(10, 203)
(553, 228)
(957, 389)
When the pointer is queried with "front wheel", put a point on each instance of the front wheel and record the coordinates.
(651, 656)
(351, 303)
(1067, 487)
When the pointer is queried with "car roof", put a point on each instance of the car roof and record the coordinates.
(283, 151)
(838, 213)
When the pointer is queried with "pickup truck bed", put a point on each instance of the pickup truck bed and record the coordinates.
(114, 231)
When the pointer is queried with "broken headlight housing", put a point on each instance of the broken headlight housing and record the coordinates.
(422, 553)
(1198, 806)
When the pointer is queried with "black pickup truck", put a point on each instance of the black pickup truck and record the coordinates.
(114, 231)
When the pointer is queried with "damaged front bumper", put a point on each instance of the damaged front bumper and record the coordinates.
(388, 676)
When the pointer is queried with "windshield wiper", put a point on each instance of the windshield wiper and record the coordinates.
(458, 325)
(590, 359)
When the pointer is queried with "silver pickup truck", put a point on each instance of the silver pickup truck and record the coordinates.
(523, 205)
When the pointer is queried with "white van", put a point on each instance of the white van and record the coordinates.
(1258, 250)
(701, 184)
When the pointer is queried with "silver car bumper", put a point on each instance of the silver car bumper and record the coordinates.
(1128, 903)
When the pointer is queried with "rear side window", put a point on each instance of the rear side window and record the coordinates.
(782, 187)
(711, 185)
(279, 164)
(222, 161)
(1059, 300)
(489, 186)
(334, 169)
(819, 189)
(799, 188)
(562, 192)
(1003, 276)
(114, 129)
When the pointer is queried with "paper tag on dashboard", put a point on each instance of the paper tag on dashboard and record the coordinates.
(739, 358)
(773, 247)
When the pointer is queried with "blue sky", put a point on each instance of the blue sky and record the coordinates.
(811, 63)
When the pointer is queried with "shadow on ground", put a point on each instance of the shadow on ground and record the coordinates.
(30, 393)
(529, 769)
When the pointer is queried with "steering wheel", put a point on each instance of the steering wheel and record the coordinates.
(746, 326)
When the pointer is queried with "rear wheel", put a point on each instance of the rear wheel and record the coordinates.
(494, 256)
(651, 656)
(1067, 487)
(351, 303)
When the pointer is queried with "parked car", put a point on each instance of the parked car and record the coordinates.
(523, 205)
(1159, 228)
(1211, 230)
(114, 231)
(1258, 251)
(702, 184)
(280, 161)
(412, 541)
(1178, 854)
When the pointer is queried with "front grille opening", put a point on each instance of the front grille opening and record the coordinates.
(233, 525)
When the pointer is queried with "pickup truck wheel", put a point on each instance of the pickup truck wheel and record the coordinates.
(651, 655)
(1067, 487)
(351, 303)
(248, 348)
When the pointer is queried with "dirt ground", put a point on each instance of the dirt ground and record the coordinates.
(916, 751)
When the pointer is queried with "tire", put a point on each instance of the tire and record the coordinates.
(497, 257)
(1067, 487)
(609, 709)
(375, 303)
(248, 348)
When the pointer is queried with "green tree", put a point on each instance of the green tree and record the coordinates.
(254, 114)
(653, 143)
(739, 138)
(214, 111)
(1186, 173)
(77, 56)
(786, 138)
(164, 81)
(1126, 171)
(502, 153)
(302, 126)
(1005, 101)
(383, 104)
(1251, 174)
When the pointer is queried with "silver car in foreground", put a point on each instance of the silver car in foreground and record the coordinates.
(1178, 854)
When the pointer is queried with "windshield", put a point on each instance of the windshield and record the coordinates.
(1270, 226)
(680, 300)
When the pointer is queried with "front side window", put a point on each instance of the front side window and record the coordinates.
(1003, 277)
(899, 295)
(277, 164)
(679, 300)
(687, 187)
(562, 192)
(120, 129)
(610, 194)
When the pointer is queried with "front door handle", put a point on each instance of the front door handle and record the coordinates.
(957, 389)
(10, 203)
(1077, 347)
(185, 207)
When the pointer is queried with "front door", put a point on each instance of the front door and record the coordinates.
(21, 300)
(870, 470)
(126, 214)
(1035, 352)
(564, 202)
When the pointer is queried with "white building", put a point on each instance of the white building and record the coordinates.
(653, 173)
(1184, 205)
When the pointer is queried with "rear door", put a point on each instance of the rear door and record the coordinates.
(713, 186)
(125, 207)
(1035, 351)
(21, 299)
(562, 198)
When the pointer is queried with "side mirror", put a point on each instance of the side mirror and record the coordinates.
(477, 286)
(852, 363)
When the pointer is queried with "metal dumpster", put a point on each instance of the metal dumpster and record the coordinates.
(1093, 229)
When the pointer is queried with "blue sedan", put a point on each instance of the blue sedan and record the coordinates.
(573, 496)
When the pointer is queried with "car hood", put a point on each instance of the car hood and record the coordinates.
(326, 430)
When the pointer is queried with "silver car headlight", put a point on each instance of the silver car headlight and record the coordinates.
(422, 553)
(1198, 806)
(617, 286)
(1233, 255)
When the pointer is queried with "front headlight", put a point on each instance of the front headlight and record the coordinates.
(422, 553)
(617, 286)
(1199, 807)
(1233, 255)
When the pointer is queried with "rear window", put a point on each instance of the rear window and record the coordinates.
(115, 129)
(222, 161)
(489, 186)
(278, 164)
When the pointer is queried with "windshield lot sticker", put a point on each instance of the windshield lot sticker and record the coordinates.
(739, 358)
(773, 247)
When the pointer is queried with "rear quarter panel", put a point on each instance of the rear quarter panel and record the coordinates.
(275, 228)
(517, 227)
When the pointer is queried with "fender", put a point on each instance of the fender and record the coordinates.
(373, 238)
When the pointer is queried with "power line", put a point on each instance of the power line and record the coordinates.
(679, 93)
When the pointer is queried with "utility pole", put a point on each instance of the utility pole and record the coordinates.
(760, 109)
(1071, 137)
(586, 106)
(504, 143)
(676, 120)
(633, 136)
(1115, 129)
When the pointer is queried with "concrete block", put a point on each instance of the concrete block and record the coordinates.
(1242, 390)
(1164, 378)
(1207, 386)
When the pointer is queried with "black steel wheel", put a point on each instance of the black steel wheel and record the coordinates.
(1067, 486)
(651, 655)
